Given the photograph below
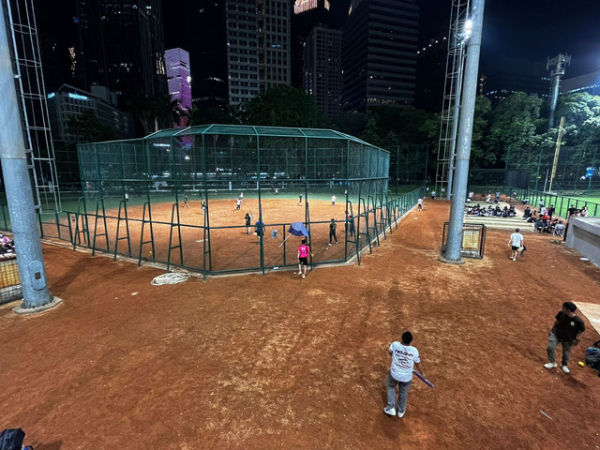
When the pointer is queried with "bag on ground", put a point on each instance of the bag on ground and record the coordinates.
(12, 439)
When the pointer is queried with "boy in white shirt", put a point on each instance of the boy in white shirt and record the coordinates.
(516, 242)
(404, 358)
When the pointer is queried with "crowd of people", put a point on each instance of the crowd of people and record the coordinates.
(478, 210)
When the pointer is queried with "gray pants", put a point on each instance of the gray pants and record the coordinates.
(551, 349)
(403, 388)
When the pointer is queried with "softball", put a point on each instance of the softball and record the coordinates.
(581, 363)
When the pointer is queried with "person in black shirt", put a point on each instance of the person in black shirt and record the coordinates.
(332, 228)
(551, 211)
(567, 330)
(572, 210)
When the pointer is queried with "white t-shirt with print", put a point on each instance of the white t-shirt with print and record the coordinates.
(404, 358)
(516, 239)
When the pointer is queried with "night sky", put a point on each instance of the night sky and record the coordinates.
(517, 33)
(522, 33)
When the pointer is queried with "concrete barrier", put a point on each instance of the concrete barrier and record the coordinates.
(584, 236)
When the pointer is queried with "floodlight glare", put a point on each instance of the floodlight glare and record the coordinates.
(468, 28)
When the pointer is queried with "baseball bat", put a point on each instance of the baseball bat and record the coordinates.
(423, 379)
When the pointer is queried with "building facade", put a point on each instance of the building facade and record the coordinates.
(69, 102)
(179, 79)
(242, 51)
(323, 69)
(380, 53)
(274, 43)
(122, 46)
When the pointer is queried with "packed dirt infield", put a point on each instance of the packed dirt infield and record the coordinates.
(279, 362)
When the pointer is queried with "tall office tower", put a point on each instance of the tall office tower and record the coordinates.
(307, 14)
(323, 69)
(242, 51)
(179, 79)
(208, 52)
(122, 46)
(274, 42)
(380, 53)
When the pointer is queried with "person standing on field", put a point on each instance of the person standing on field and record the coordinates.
(332, 229)
(516, 243)
(303, 252)
(567, 330)
(420, 204)
(404, 358)
(248, 218)
(333, 199)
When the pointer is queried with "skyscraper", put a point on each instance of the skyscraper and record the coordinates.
(307, 14)
(239, 48)
(179, 79)
(122, 45)
(274, 43)
(380, 53)
(323, 69)
(242, 51)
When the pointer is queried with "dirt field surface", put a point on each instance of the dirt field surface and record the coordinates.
(279, 362)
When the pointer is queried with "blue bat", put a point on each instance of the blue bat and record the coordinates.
(423, 379)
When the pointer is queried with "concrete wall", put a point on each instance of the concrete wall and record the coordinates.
(584, 236)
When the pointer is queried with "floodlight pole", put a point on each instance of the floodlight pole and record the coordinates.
(30, 259)
(465, 134)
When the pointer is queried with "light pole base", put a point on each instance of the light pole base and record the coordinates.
(26, 311)
(450, 261)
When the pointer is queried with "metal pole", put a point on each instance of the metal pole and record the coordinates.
(561, 128)
(30, 259)
(465, 135)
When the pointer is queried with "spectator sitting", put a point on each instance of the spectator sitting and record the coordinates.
(511, 211)
(527, 213)
(559, 229)
(539, 226)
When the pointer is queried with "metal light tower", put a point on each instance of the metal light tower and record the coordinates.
(465, 134)
(556, 66)
(455, 62)
(19, 194)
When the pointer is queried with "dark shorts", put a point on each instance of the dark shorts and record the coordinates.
(515, 248)
(303, 261)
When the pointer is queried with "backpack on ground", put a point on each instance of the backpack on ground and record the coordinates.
(592, 357)
(12, 439)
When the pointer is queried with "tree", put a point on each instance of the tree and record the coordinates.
(200, 115)
(513, 136)
(165, 111)
(283, 106)
(480, 156)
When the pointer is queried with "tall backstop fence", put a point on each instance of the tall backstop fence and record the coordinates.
(221, 199)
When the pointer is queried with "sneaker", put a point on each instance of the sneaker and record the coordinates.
(303, 276)
(514, 259)
(329, 245)
(390, 411)
(550, 365)
(565, 369)
(299, 273)
(401, 414)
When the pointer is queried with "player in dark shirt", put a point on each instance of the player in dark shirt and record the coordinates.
(567, 330)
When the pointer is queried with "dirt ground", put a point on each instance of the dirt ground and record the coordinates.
(279, 362)
(232, 248)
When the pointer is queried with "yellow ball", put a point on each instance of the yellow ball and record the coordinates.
(581, 363)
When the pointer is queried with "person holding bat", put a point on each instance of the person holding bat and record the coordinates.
(404, 358)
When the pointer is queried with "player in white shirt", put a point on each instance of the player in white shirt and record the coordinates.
(516, 242)
(404, 358)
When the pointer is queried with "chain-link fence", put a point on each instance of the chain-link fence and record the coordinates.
(221, 199)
